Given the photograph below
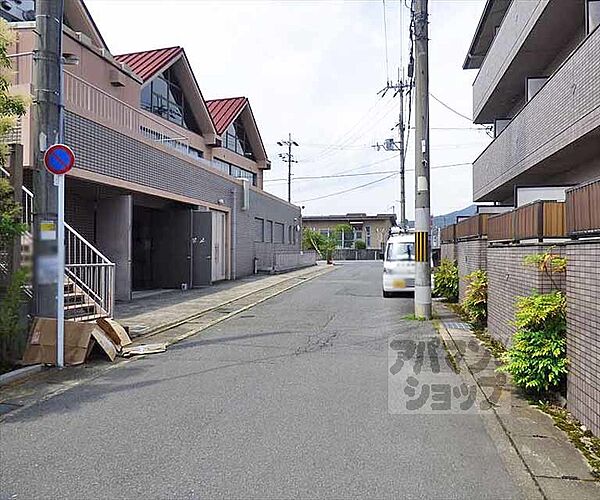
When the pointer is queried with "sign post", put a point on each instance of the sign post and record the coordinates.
(59, 159)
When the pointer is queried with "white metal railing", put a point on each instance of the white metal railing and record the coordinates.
(89, 270)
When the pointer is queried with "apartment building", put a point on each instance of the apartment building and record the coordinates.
(167, 185)
(372, 229)
(539, 85)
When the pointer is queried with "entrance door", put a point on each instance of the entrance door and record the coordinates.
(219, 246)
(114, 218)
(201, 248)
(171, 243)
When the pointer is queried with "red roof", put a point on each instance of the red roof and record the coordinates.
(148, 63)
(224, 111)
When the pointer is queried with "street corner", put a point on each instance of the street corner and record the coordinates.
(425, 377)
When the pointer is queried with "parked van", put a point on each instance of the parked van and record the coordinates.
(399, 264)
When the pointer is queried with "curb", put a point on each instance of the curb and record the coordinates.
(178, 322)
(191, 333)
(19, 374)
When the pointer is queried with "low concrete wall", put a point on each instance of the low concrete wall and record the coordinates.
(288, 261)
(471, 255)
(352, 254)
(583, 332)
(508, 279)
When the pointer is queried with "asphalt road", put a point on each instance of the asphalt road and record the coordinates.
(288, 400)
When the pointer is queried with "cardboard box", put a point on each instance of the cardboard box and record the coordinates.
(115, 331)
(41, 347)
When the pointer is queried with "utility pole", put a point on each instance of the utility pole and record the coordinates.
(422, 180)
(390, 145)
(47, 98)
(289, 158)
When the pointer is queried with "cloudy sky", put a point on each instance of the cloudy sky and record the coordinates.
(313, 68)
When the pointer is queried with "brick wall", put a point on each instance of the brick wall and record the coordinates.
(509, 278)
(583, 332)
(449, 251)
(470, 255)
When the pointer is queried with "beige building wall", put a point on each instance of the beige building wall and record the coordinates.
(379, 228)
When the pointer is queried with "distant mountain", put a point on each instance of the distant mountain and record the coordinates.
(447, 219)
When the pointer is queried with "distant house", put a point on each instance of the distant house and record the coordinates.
(372, 229)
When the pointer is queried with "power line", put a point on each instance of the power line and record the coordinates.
(387, 64)
(351, 189)
(450, 108)
(336, 176)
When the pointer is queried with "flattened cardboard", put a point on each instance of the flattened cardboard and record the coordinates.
(41, 347)
(141, 349)
(115, 331)
(105, 343)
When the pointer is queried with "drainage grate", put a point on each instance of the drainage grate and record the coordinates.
(7, 408)
(457, 325)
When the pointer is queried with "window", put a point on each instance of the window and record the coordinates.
(324, 232)
(241, 173)
(259, 230)
(269, 232)
(163, 97)
(279, 234)
(223, 166)
(290, 236)
(593, 15)
(400, 251)
(236, 139)
(368, 236)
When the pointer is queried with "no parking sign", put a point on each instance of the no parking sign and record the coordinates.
(59, 159)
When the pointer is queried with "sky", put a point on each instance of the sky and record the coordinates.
(314, 69)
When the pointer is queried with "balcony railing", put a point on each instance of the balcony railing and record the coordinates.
(473, 227)
(536, 221)
(583, 210)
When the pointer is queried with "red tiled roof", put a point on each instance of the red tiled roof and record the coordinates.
(149, 62)
(224, 111)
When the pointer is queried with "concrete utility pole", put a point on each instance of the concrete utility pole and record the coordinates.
(289, 157)
(47, 81)
(390, 145)
(422, 194)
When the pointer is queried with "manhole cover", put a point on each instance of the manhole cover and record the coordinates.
(7, 407)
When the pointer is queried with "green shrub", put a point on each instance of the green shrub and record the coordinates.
(537, 358)
(474, 304)
(360, 245)
(445, 280)
(12, 321)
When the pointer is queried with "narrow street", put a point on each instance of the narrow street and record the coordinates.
(289, 399)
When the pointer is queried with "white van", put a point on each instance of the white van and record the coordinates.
(399, 264)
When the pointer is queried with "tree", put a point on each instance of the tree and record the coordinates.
(323, 244)
(11, 226)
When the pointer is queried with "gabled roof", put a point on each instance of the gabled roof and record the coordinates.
(225, 111)
(149, 63)
(78, 18)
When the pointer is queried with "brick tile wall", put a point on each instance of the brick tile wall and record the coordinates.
(508, 279)
(471, 255)
(583, 332)
(105, 151)
(449, 251)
